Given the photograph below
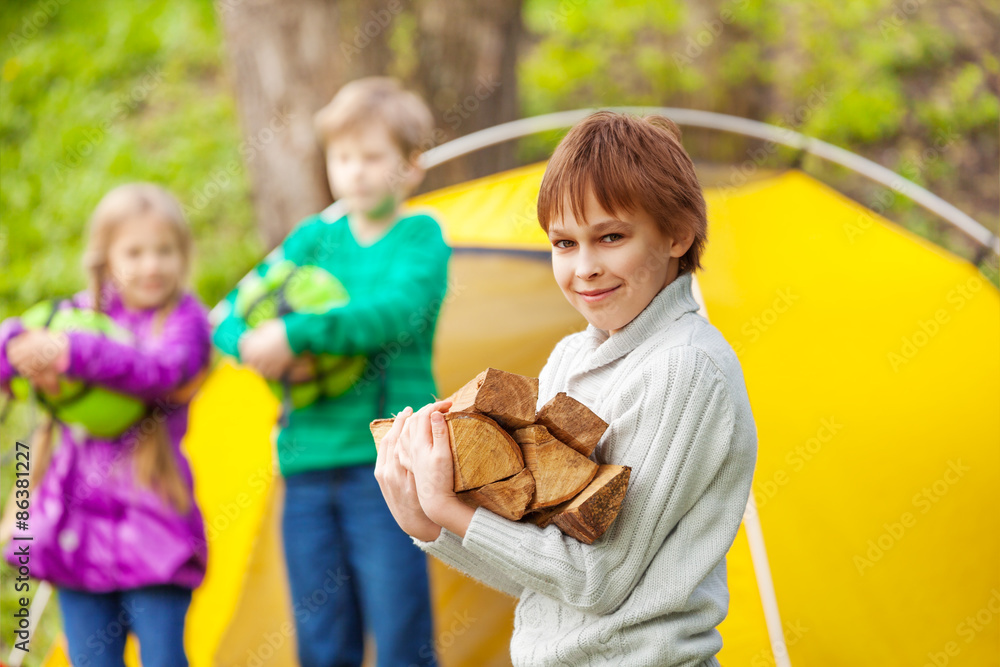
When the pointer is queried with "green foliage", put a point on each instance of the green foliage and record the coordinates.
(905, 84)
(94, 96)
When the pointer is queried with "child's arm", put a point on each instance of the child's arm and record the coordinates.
(409, 295)
(150, 368)
(227, 334)
(448, 549)
(674, 425)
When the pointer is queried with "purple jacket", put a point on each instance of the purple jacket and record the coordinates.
(93, 527)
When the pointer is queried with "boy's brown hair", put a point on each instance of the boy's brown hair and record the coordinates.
(379, 99)
(628, 162)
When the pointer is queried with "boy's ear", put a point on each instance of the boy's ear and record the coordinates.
(682, 244)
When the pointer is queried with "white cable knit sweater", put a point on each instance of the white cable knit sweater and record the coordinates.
(652, 589)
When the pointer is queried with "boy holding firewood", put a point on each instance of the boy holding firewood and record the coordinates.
(625, 214)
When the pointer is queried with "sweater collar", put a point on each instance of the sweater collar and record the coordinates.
(668, 305)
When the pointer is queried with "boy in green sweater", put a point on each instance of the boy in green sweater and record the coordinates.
(341, 543)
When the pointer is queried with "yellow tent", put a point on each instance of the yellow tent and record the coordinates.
(873, 367)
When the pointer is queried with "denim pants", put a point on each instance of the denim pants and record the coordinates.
(96, 625)
(352, 571)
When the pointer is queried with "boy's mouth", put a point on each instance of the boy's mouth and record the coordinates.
(597, 295)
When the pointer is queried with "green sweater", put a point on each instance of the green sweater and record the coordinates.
(396, 288)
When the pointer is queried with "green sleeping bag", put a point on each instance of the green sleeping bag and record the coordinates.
(288, 288)
(100, 411)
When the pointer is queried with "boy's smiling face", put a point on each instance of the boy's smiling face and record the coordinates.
(368, 171)
(610, 267)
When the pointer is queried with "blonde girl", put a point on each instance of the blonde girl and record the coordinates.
(114, 524)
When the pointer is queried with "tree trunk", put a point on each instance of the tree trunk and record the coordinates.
(287, 59)
(467, 72)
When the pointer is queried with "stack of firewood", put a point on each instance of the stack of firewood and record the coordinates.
(528, 466)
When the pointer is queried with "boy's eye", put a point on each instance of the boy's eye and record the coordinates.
(556, 243)
(616, 237)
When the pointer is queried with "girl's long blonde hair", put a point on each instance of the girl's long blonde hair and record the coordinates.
(152, 452)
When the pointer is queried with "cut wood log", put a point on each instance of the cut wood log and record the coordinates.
(559, 471)
(543, 517)
(509, 497)
(507, 398)
(572, 422)
(379, 428)
(481, 450)
(589, 514)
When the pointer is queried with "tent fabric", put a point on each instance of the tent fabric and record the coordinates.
(873, 370)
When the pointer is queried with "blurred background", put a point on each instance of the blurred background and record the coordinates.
(215, 101)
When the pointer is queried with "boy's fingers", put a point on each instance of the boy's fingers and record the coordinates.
(388, 442)
(403, 456)
(439, 429)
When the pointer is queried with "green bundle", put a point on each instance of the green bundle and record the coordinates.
(288, 288)
(100, 411)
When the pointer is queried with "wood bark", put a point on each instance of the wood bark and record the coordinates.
(287, 58)
(572, 422)
(508, 398)
(588, 515)
(467, 72)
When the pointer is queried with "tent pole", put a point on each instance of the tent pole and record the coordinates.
(765, 584)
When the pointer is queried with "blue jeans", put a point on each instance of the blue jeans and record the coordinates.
(96, 625)
(351, 569)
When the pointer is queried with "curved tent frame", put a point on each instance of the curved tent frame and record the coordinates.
(736, 125)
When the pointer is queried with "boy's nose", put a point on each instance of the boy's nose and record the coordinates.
(588, 266)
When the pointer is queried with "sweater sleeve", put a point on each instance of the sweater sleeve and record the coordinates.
(448, 549)
(406, 304)
(673, 423)
(227, 334)
(150, 368)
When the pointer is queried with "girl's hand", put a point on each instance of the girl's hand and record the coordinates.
(399, 487)
(266, 350)
(430, 459)
(40, 356)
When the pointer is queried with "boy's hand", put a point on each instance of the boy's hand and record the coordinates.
(266, 350)
(399, 487)
(40, 356)
(428, 443)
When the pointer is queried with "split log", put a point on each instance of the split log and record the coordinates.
(559, 472)
(587, 516)
(481, 451)
(379, 428)
(508, 398)
(572, 422)
(509, 497)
